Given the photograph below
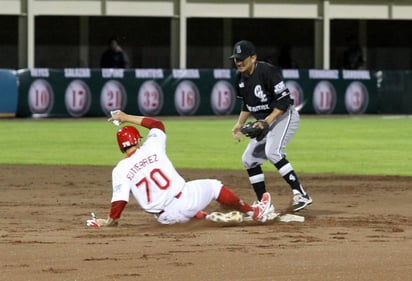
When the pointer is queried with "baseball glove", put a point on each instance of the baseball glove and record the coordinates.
(257, 129)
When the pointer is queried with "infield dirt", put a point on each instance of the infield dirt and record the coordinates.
(358, 228)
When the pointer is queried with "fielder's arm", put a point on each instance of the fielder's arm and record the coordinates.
(275, 114)
(243, 117)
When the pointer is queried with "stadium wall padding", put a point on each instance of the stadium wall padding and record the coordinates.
(8, 93)
(84, 92)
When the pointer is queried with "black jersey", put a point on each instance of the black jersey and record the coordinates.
(263, 91)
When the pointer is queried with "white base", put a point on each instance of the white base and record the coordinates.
(290, 217)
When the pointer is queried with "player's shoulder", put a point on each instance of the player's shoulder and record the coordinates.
(119, 169)
(156, 133)
(238, 75)
(265, 68)
(156, 139)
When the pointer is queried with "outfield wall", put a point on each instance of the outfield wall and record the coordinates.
(8, 93)
(84, 92)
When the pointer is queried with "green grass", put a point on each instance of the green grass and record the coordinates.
(369, 145)
(354, 145)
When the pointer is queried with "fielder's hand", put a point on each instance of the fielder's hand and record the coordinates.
(236, 134)
(257, 129)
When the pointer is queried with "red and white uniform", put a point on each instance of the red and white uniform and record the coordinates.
(156, 185)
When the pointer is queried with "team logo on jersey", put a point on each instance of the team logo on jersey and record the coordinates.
(280, 87)
(260, 94)
(241, 85)
(152, 135)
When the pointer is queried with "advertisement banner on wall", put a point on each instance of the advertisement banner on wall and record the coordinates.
(203, 92)
(360, 91)
(55, 93)
(82, 92)
(323, 88)
(319, 91)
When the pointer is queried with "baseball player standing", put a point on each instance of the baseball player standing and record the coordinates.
(150, 176)
(265, 97)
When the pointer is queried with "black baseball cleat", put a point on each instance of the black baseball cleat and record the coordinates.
(300, 201)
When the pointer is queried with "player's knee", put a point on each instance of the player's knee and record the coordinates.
(249, 164)
(274, 158)
(217, 186)
(245, 163)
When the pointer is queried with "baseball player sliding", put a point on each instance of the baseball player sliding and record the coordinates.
(148, 174)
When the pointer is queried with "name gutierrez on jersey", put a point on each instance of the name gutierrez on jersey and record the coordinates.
(258, 107)
(141, 164)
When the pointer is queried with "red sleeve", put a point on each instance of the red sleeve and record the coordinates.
(117, 209)
(152, 123)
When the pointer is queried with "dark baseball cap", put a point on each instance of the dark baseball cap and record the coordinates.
(242, 50)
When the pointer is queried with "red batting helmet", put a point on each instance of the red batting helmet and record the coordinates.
(127, 137)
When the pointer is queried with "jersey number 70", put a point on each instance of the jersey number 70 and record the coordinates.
(157, 177)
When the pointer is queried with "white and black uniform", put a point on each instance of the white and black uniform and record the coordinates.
(260, 93)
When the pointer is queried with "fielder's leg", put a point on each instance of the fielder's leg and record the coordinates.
(257, 179)
(277, 142)
(300, 198)
(252, 158)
